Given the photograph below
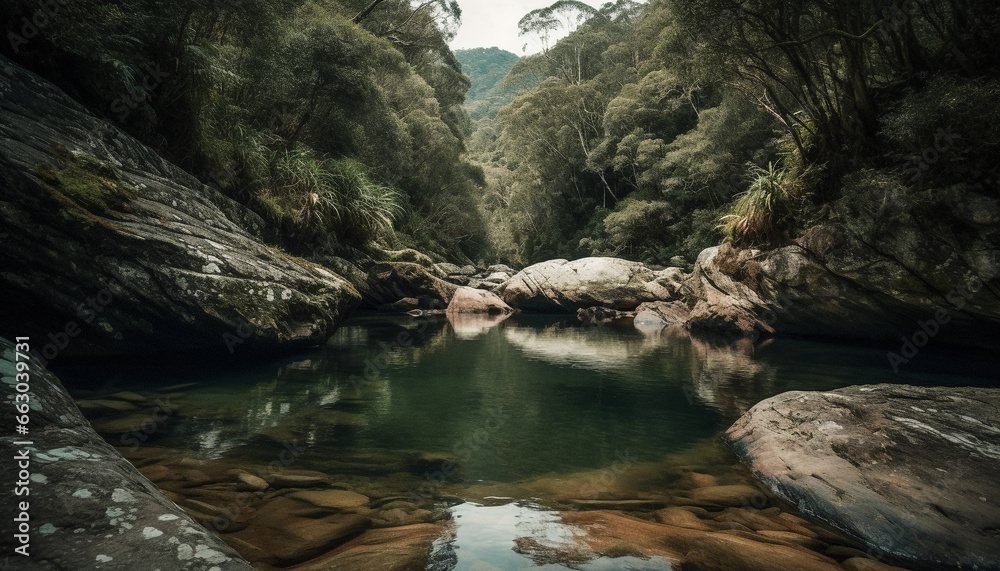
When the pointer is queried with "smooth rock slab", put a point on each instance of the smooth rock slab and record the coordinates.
(913, 472)
(170, 263)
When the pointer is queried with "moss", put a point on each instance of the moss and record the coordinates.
(83, 182)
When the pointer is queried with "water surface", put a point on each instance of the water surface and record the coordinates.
(511, 415)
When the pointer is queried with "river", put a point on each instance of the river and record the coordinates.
(518, 419)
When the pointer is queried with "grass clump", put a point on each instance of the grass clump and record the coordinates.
(762, 214)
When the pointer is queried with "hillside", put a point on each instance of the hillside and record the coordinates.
(486, 68)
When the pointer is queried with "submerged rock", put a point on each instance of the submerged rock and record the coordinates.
(88, 507)
(911, 471)
(561, 286)
(111, 249)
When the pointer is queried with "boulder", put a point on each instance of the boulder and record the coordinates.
(117, 251)
(654, 316)
(497, 277)
(500, 268)
(469, 300)
(910, 471)
(88, 507)
(389, 282)
(561, 286)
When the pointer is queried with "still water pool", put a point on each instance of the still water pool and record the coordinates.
(520, 416)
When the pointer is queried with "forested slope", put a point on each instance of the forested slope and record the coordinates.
(655, 130)
(486, 69)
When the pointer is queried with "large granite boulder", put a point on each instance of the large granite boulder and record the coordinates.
(561, 286)
(87, 507)
(912, 472)
(109, 248)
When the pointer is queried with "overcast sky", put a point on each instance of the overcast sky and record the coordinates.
(488, 23)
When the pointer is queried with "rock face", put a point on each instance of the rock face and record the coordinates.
(561, 286)
(88, 507)
(841, 280)
(912, 472)
(111, 249)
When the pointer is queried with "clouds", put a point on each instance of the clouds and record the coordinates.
(488, 23)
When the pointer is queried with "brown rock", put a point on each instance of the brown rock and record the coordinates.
(732, 495)
(693, 549)
(405, 547)
(288, 540)
(129, 396)
(680, 517)
(279, 481)
(795, 538)
(703, 480)
(653, 316)
(750, 519)
(864, 564)
(250, 483)
(96, 407)
(333, 499)
(156, 472)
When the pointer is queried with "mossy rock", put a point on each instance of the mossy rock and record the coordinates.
(87, 183)
(409, 255)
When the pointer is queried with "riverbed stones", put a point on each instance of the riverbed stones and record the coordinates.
(333, 499)
(249, 483)
(607, 531)
(910, 471)
(562, 286)
(89, 508)
(283, 480)
(402, 547)
(734, 495)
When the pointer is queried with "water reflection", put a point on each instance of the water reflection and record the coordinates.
(519, 536)
(473, 325)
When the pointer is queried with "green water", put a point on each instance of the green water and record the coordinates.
(528, 397)
(392, 403)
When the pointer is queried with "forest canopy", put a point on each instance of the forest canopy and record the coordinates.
(651, 131)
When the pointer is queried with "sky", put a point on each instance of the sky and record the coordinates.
(488, 23)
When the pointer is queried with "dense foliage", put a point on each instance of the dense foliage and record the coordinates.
(334, 119)
(650, 131)
(655, 130)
